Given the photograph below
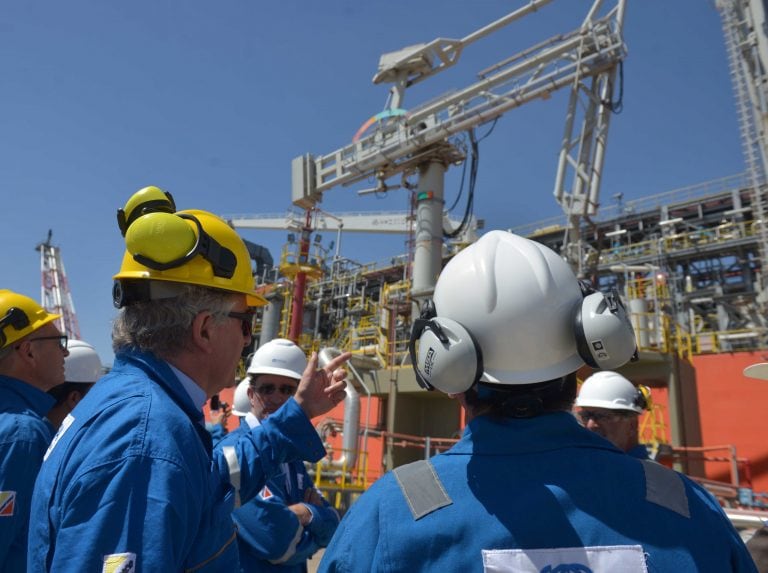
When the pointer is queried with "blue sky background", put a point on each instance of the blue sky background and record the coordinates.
(212, 100)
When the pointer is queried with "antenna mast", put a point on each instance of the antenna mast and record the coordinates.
(55, 296)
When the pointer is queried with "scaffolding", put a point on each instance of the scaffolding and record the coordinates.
(747, 48)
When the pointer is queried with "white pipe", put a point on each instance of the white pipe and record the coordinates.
(351, 414)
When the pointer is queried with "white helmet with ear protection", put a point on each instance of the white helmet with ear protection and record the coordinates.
(505, 312)
(241, 405)
(606, 389)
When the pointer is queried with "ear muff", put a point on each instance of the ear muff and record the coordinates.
(148, 200)
(14, 318)
(448, 358)
(604, 335)
(643, 397)
(163, 241)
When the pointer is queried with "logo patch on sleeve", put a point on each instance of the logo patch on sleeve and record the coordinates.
(266, 493)
(119, 563)
(7, 503)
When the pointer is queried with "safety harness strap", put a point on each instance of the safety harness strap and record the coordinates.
(665, 487)
(421, 487)
(234, 471)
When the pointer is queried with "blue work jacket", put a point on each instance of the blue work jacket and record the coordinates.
(24, 437)
(130, 482)
(270, 537)
(512, 487)
(640, 451)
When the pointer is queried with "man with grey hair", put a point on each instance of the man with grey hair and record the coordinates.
(130, 482)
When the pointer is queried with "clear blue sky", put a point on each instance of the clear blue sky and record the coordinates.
(212, 100)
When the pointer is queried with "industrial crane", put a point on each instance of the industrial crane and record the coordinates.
(423, 141)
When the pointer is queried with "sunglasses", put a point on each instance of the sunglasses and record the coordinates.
(599, 417)
(246, 321)
(269, 389)
(63, 338)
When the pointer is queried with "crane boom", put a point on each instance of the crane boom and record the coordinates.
(421, 141)
(387, 222)
(596, 47)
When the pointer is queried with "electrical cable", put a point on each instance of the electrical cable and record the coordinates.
(617, 105)
(474, 163)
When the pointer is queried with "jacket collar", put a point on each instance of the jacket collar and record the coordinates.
(557, 430)
(161, 373)
(37, 400)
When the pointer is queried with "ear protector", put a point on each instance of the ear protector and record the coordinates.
(450, 360)
(642, 400)
(604, 335)
(163, 241)
(148, 200)
(16, 318)
(449, 357)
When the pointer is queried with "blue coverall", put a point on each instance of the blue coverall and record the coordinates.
(541, 483)
(268, 531)
(130, 480)
(24, 437)
(639, 451)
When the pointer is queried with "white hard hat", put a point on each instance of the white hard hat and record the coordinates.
(83, 364)
(516, 297)
(279, 356)
(241, 405)
(606, 389)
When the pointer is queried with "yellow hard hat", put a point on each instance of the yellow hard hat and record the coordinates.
(19, 316)
(147, 200)
(189, 247)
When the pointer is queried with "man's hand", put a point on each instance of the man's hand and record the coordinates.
(321, 389)
(221, 416)
(313, 497)
(302, 512)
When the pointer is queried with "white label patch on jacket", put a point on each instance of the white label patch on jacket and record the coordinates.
(63, 428)
(119, 563)
(7, 503)
(624, 558)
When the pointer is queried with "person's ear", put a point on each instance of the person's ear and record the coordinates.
(25, 351)
(202, 331)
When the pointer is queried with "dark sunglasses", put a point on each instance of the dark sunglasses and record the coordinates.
(61, 338)
(269, 389)
(599, 417)
(246, 321)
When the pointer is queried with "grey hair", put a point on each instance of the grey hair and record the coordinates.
(162, 326)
